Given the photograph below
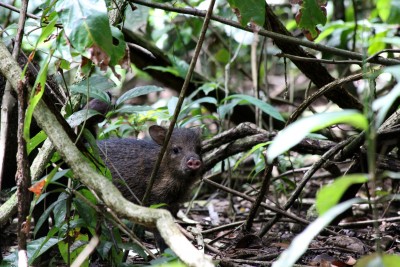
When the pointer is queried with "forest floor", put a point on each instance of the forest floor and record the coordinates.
(218, 221)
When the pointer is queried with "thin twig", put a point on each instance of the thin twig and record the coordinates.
(180, 101)
(13, 8)
(270, 34)
(331, 152)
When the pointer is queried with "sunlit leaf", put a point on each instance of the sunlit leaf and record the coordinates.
(36, 141)
(384, 103)
(250, 10)
(311, 16)
(132, 109)
(388, 10)
(331, 194)
(96, 85)
(138, 91)
(300, 243)
(48, 30)
(36, 95)
(80, 116)
(86, 24)
(265, 107)
(379, 260)
(297, 131)
(171, 70)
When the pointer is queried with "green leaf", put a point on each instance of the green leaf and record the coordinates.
(86, 24)
(97, 85)
(36, 95)
(295, 132)
(206, 88)
(39, 246)
(388, 10)
(250, 10)
(300, 244)
(225, 109)
(35, 141)
(47, 212)
(170, 69)
(80, 116)
(130, 109)
(119, 50)
(255, 148)
(265, 107)
(222, 56)
(312, 15)
(138, 91)
(379, 260)
(48, 30)
(156, 206)
(86, 212)
(330, 195)
(383, 103)
(172, 105)
(207, 99)
(75, 249)
(135, 247)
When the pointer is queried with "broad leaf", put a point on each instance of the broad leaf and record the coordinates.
(383, 103)
(330, 194)
(96, 85)
(250, 10)
(138, 91)
(36, 95)
(388, 10)
(295, 132)
(379, 260)
(80, 116)
(132, 109)
(48, 30)
(300, 244)
(86, 24)
(47, 212)
(312, 15)
(169, 69)
(265, 107)
(35, 141)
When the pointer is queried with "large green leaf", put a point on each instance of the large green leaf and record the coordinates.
(300, 244)
(388, 10)
(330, 194)
(47, 212)
(137, 91)
(132, 109)
(35, 141)
(48, 30)
(80, 116)
(312, 15)
(250, 10)
(86, 25)
(379, 260)
(265, 107)
(295, 132)
(383, 103)
(97, 86)
(36, 95)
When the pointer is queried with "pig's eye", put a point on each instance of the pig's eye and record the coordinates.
(175, 150)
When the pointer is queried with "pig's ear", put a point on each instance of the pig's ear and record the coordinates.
(158, 134)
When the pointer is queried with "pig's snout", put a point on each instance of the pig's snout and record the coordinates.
(193, 163)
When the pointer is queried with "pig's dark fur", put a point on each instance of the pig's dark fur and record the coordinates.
(134, 160)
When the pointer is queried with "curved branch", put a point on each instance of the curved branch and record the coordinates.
(113, 198)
